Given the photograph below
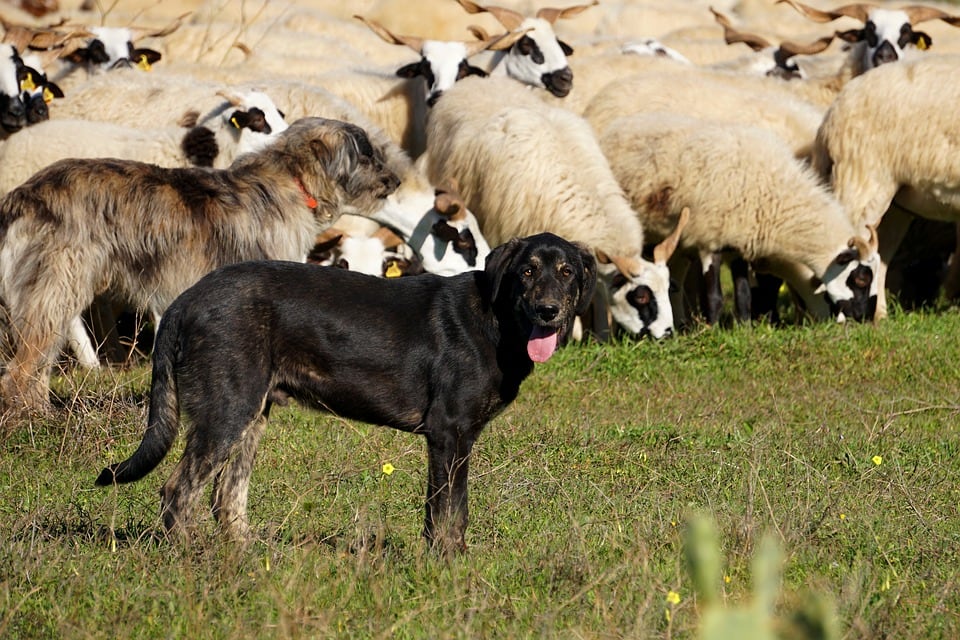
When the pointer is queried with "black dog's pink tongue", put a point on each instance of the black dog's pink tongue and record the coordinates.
(542, 343)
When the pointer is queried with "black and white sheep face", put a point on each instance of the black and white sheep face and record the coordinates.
(441, 65)
(887, 36)
(113, 47)
(851, 286)
(256, 121)
(641, 303)
(13, 110)
(540, 59)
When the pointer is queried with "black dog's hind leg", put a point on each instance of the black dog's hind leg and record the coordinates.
(448, 459)
(231, 485)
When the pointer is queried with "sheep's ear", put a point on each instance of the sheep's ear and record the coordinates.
(445, 231)
(240, 119)
(411, 70)
(51, 91)
(567, 49)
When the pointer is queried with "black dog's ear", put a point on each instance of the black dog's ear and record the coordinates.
(498, 262)
(588, 277)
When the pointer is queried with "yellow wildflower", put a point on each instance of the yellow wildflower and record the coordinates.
(387, 468)
(877, 460)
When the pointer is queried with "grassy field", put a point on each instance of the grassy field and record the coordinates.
(838, 443)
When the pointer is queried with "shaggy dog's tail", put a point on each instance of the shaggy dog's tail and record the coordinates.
(163, 422)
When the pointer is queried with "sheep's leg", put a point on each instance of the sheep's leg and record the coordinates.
(711, 293)
(742, 296)
(951, 283)
(80, 344)
(890, 233)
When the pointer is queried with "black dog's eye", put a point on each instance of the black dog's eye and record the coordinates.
(566, 271)
(528, 272)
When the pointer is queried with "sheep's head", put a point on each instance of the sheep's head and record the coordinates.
(640, 290)
(254, 118)
(381, 254)
(13, 111)
(453, 225)
(886, 35)
(850, 281)
(783, 66)
(113, 47)
(442, 62)
(537, 58)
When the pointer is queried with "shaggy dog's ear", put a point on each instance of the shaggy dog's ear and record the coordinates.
(588, 277)
(498, 263)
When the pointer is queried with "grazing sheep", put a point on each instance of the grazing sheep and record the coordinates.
(241, 123)
(145, 233)
(887, 140)
(524, 167)
(378, 252)
(747, 195)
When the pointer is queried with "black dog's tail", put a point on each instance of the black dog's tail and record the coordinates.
(163, 422)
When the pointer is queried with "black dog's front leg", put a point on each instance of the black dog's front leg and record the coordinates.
(448, 464)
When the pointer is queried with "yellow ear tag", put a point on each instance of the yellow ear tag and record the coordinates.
(393, 271)
(922, 44)
(234, 122)
(143, 64)
(48, 95)
(27, 84)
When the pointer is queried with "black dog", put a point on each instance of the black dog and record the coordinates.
(428, 354)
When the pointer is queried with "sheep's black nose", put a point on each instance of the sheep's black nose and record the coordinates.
(559, 82)
(548, 311)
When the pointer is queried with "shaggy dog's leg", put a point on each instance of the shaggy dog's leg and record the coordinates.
(447, 510)
(231, 486)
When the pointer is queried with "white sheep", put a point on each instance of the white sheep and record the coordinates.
(876, 151)
(242, 122)
(748, 195)
(711, 95)
(13, 111)
(524, 167)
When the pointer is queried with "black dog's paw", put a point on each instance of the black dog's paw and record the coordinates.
(200, 146)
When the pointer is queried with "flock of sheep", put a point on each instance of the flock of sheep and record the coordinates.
(784, 138)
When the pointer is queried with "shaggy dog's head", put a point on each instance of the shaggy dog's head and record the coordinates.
(337, 164)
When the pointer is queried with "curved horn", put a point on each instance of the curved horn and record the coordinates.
(136, 33)
(790, 49)
(413, 42)
(389, 239)
(733, 36)
(494, 43)
(233, 99)
(507, 17)
(663, 251)
(551, 15)
(865, 248)
(919, 13)
(628, 266)
(448, 202)
(857, 11)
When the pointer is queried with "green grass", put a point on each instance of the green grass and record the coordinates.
(580, 493)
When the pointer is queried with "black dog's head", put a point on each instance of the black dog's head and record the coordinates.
(543, 282)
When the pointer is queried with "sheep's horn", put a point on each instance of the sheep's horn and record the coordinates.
(789, 49)
(507, 17)
(733, 36)
(493, 43)
(448, 202)
(552, 15)
(136, 33)
(919, 13)
(858, 11)
(865, 248)
(233, 99)
(389, 239)
(663, 251)
(413, 42)
(328, 238)
(628, 266)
